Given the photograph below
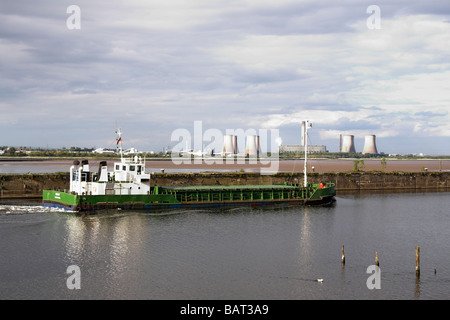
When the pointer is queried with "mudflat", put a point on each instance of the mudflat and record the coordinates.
(326, 165)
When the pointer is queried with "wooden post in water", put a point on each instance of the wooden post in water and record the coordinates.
(417, 261)
(343, 256)
(377, 261)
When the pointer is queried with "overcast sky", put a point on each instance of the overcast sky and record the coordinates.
(158, 65)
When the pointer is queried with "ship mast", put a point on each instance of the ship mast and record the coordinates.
(119, 140)
(305, 143)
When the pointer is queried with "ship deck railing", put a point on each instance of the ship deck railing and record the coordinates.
(238, 193)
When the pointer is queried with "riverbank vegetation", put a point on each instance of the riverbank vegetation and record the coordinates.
(66, 153)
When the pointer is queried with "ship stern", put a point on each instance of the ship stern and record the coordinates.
(60, 199)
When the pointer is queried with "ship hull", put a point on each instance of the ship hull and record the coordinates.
(195, 198)
(199, 205)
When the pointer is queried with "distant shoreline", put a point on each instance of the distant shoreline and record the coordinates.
(227, 165)
(280, 157)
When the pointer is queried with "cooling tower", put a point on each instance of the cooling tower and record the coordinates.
(348, 144)
(252, 145)
(227, 144)
(369, 145)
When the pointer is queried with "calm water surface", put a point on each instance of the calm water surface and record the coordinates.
(230, 254)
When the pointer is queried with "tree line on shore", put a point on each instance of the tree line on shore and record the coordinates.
(72, 152)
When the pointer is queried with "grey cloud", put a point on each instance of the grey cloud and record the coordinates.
(429, 114)
(155, 80)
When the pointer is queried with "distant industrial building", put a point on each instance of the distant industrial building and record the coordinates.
(301, 147)
(103, 150)
(298, 148)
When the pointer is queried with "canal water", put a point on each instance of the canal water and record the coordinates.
(245, 253)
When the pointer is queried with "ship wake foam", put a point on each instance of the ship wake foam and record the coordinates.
(18, 209)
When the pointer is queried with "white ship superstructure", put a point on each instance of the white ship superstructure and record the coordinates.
(127, 178)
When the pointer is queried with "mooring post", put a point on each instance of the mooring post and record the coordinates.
(417, 261)
(377, 261)
(343, 255)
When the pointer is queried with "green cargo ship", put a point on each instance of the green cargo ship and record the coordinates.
(196, 197)
(128, 187)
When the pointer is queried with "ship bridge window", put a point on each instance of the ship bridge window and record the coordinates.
(124, 168)
(138, 169)
(117, 167)
(132, 168)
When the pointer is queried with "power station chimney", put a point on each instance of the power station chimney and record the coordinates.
(235, 145)
(258, 147)
(348, 144)
(369, 145)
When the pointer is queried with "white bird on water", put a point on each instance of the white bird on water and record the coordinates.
(320, 280)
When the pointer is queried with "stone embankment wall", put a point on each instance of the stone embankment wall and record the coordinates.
(355, 181)
(31, 185)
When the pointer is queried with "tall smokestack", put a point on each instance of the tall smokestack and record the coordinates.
(369, 145)
(258, 147)
(235, 145)
(348, 144)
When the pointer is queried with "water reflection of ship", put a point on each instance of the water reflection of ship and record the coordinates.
(114, 241)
